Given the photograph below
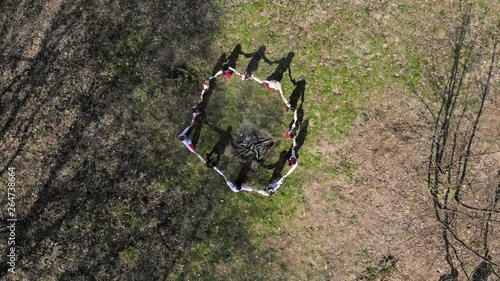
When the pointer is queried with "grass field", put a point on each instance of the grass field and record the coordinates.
(94, 96)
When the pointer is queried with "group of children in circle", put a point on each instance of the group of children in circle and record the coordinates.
(291, 134)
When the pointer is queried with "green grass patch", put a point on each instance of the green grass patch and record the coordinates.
(130, 255)
(343, 65)
(123, 213)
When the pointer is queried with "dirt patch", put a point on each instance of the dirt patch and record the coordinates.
(380, 209)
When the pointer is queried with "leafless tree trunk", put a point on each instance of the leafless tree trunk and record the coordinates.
(465, 207)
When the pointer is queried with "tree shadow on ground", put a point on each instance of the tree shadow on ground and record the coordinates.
(96, 125)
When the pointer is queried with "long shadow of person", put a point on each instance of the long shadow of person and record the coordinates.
(283, 66)
(243, 174)
(199, 114)
(298, 92)
(278, 166)
(233, 57)
(301, 137)
(198, 124)
(260, 54)
(218, 65)
(220, 147)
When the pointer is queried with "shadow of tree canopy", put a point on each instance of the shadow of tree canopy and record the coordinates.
(91, 95)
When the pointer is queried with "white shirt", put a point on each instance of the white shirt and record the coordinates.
(255, 78)
(274, 185)
(236, 72)
(186, 130)
(189, 144)
(219, 172)
(243, 187)
(217, 74)
(276, 85)
(273, 85)
(203, 92)
(291, 169)
(294, 124)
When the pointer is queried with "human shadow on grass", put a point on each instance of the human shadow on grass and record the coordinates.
(296, 123)
(195, 131)
(281, 162)
(283, 66)
(234, 56)
(242, 178)
(278, 166)
(199, 116)
(218, 65)
(255, 58)
(225, 139)
(301, 137)
(298, 127)
(298, 93)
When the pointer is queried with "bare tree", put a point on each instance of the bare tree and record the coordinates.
(465, 198)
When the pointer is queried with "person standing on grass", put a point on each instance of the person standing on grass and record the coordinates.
(209, 162)
(292, 133)
(271, 85)
(185, 132)
(224, 70)
(247, 76)
(184, 138)
(188, 143)
(272, 188)
(292, 161)
(236, 188)
(212, 164)
(228, 71)
(197, 111)
(198, 108)
(206, 87)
